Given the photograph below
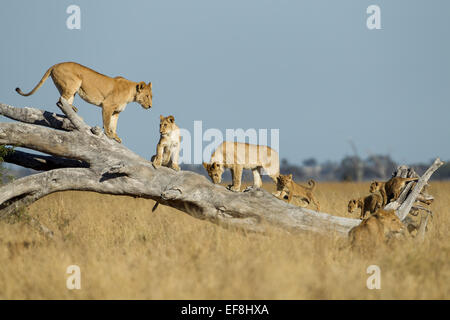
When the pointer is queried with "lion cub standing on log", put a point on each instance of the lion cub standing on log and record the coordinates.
(237, 156)
(168, 148)
(391, 189)
(112, 94)
(286, 185)
(370, 204)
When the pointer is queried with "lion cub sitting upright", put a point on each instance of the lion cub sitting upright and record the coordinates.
(168, 148)
(286, 185)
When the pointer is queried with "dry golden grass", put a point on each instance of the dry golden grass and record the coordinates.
(126, 251)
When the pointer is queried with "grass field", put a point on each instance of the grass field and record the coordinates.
(127, 252)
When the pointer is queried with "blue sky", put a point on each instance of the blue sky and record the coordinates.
(309, 68)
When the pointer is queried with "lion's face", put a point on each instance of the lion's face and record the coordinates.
(352, 205)
(283, 180)
(215, 171)
(144, 94)
(166, 125)
(391, 223)
(375, 186)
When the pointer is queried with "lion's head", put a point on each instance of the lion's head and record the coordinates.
(166, 125)
(391, 223)
(283, 180)
(215, 171)
(144, 94)
(375, 186)
(352, 205)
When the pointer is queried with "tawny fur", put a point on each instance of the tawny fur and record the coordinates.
(369, 204)
(287, 186)
(168, 148)
(376, 230)
(391, 189)
(111, 94)
(237, 156)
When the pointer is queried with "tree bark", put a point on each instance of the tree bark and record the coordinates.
(83, 158)
(42, 162)
(410, 196)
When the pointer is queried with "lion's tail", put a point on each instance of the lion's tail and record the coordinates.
(312, 184)
(46, 75)
(155, 206)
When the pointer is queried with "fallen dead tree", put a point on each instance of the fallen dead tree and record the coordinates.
(80, 157)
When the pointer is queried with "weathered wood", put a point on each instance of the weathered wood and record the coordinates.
(406, 206)
(41, 162)
(36, 116)
(109, 167)
(408, 197)
(422, 227)
(75, 119)
(406, 201)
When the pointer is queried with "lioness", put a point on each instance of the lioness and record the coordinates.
(112, 94)
(391, 189)
(168, 148)
(370, 204)
(286, 185)
(237, 156)
(376, 230)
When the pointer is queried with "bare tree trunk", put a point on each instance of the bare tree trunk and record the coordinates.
(408, 197)
(83, 158)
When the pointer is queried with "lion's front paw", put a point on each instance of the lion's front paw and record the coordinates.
(157, 162)
(233, 188)
(175, 167)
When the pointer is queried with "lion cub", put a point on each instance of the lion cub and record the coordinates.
(391, 189)
(370, 204)
(376, 230)
(168, 148)
(286, 185)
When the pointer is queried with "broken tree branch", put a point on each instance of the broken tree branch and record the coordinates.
(406, 206)
(36, 116)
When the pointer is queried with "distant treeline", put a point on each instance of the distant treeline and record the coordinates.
(350, 168)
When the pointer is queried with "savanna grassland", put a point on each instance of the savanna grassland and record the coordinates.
(127, 252)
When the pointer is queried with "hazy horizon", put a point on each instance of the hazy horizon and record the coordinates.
(311, 69)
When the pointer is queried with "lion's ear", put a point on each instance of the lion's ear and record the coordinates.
(171, 119)
(140, 86)
(290, 176)
(205, 165)
(150, 85)
(161, 118)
